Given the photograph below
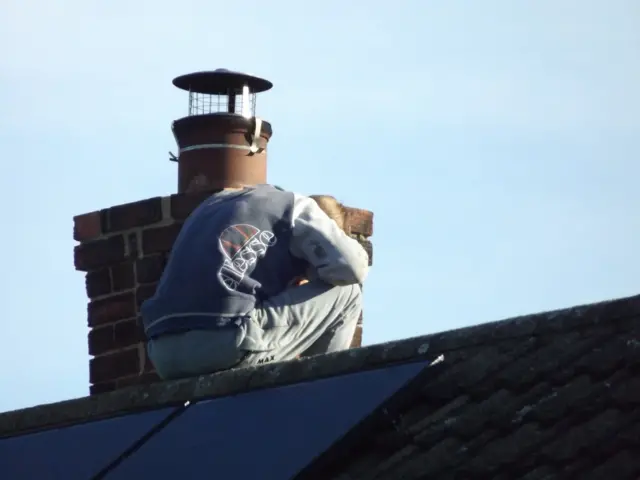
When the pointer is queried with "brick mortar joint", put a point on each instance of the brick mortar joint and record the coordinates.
(165, 206)
(127, 246)
(128, 377)
(142, 357)
(113, 324)
(137, 284)
(115, 351)
(165, 222)
(113, 294)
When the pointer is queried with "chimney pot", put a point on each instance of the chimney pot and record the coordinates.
(221, 142)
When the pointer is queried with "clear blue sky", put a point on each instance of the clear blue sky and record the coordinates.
(497, 143)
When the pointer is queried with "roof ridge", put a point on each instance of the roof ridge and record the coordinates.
(231, 382)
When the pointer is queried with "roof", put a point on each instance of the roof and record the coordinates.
(551, 395)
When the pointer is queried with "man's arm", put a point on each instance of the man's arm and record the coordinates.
(337, 258)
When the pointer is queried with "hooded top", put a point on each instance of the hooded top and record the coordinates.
(240, 247)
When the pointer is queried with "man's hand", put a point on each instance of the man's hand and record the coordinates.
(298, 281)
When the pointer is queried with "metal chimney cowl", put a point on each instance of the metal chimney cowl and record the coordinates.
(221, 142)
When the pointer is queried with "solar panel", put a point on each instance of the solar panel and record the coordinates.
(271, 433)
(74, 452)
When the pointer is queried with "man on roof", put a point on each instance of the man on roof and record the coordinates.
(257, 274)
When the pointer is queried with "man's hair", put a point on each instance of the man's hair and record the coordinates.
(333, 208)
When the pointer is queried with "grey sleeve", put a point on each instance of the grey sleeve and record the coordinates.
(337, 258)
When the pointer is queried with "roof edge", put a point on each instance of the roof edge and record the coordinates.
(232, 382)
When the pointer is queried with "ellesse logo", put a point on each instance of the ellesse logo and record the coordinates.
(241, 245)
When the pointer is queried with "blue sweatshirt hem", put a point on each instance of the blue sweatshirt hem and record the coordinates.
(179, 324)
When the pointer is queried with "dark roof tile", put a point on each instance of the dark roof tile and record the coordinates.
(545, 403)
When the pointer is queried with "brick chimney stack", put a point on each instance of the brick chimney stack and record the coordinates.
(123, 249)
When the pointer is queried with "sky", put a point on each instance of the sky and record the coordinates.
(497, 143)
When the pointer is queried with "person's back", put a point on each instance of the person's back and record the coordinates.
(231, 252)
(224, 290)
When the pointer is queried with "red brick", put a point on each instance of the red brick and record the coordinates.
(87, 226)
(101, 339)
(128, 332)
(144, 292)
(359, 221)
(122, 277)
(144, 379)
(183, 204)
(155, 240)
(149, 269)
(99, 253)
(98, 283)
(357, 338)
(103, 387)
(132, 215)
(111, 309)
(106, 368)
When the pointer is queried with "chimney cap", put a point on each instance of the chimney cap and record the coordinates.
(220, 81)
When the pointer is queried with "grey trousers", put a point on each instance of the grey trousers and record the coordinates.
(307, 320)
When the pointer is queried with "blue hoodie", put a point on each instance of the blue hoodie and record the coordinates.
(240, 247)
